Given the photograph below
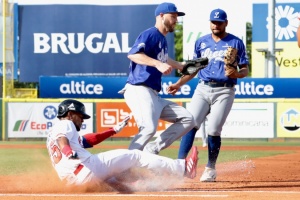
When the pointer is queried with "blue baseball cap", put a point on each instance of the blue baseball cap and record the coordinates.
(167, 8)
(218, 15)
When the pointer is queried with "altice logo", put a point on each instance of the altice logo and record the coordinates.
(245, 88)
(76, 87)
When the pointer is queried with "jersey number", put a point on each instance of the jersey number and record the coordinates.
(55, 153)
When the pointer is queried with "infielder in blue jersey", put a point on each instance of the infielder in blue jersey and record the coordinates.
(215, 92)
(149, 61)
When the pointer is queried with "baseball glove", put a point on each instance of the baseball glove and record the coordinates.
(231, 61)
(193, 66)
(231, 57)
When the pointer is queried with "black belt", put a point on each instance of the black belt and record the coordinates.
(218, 84)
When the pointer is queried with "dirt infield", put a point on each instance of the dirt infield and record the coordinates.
(276, 177)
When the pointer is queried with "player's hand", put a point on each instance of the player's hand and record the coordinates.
(172, 89)
(164, 68)
(73, 155)
(230, 71)
(181, 66)
(121, 124)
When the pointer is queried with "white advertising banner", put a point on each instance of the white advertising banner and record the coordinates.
(34, 120)
(248, 120)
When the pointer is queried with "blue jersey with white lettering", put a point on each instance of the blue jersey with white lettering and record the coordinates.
(153, 44)
(215, 71)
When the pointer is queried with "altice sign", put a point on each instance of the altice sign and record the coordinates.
(108, 87)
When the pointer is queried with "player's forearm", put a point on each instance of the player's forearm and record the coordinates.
(184, 79)
(143, 59)
(243, 72)
(65, 147)
(175, 64)
(62, 141)
(91, 139)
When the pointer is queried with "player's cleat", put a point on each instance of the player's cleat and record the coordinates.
(204, 143)
(191, 163)
(209, 175)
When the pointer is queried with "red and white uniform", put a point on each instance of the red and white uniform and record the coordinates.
(100, 167)
(69, 169)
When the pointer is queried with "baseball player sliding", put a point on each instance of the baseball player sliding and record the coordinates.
(77, 166)
(215, 92)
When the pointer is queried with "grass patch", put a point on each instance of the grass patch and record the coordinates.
(20, 161)
(14, 161)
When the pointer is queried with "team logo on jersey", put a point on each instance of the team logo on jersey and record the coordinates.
(216, 55)
(80, 141)
(202, 46)
(226, 45)
(141, 45)
(163, 55)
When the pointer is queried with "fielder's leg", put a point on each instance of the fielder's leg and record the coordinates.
(203, 134)
(218, 114)
(199, 108)
(214, 145)
(145, 107)
(182, 121)
(186, 143)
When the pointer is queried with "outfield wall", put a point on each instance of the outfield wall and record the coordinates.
(249, 118)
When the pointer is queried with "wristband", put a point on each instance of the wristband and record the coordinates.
(66, 150)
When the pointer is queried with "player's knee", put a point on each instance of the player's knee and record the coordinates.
(136, 152)
(148, 130)
(188, 119)
(214, 133)
(134, 155)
